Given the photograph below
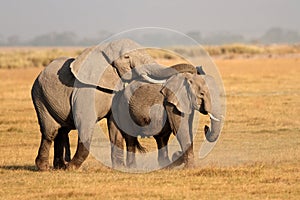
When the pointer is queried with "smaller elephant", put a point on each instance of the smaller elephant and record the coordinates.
(157, 110)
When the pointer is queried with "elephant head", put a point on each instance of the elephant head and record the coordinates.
(112, 60)
(189, 92)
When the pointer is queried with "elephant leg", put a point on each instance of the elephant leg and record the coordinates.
(61, 142)
(181, 125)
(185, 139)
(49, 129)
(189, 157)
(131, 150)
(189, 161)
(80, 156)
(67, 148)
(162, 142)
(117, 144)
(42, 159)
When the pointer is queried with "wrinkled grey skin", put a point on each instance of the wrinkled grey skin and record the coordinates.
(53, 92)
(180, 96)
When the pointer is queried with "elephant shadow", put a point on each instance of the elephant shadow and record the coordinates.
(32, 168)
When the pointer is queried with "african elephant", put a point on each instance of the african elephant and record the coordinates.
(76, 93)
(134, 113)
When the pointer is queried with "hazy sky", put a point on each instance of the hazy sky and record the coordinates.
(29, 18)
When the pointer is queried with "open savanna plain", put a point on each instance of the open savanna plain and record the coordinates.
(256, 157)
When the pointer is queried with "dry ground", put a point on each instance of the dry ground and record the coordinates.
(257, 156)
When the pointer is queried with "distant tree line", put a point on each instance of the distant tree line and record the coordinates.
(273, 35)
(54, 39)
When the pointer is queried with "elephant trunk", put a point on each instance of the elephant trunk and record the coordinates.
(213, 133)
(155, 73)
(215, 113)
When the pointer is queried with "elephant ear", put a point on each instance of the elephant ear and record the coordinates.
(117, 48)
(177, 92)
(95, 62)
(90, 65)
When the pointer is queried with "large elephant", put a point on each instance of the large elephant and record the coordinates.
(76, 93)
(134, 113)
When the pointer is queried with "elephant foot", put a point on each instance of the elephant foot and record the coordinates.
(130, 160)
(177, 159)
(42, 164)
(72, 166)
(75, 163)
(131, 165)
(59, 164)
(165, 162)
(117, 164)
(186, 158)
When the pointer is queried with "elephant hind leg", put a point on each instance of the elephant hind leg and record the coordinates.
(61, 142)
(131, 150)
(42, 159)
(67, 148)
(162, 146)
(49, 129)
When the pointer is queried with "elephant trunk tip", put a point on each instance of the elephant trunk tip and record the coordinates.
(208, 134)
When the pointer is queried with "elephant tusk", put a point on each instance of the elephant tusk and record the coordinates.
(151, 80)
(213, 117)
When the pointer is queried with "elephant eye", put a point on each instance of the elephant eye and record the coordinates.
(126, 56)
(201, 95)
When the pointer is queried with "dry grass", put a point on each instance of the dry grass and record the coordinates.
(257, 156)
(24, 57)
(231, 51)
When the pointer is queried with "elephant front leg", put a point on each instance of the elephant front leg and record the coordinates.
(67, 149)
(80, 156)
(61, 142)
(42, 159)
(58, 161)
(131, 150)
(185, 156)
(116, 142)
(181, 125)
(162, 142)
(188, 157)
(185, 139)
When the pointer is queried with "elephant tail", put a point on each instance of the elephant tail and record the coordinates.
(140, 148)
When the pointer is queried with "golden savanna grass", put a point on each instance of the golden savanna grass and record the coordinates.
(257, 156)
(24, 57)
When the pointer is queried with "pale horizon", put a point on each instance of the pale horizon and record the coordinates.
(87, 19)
